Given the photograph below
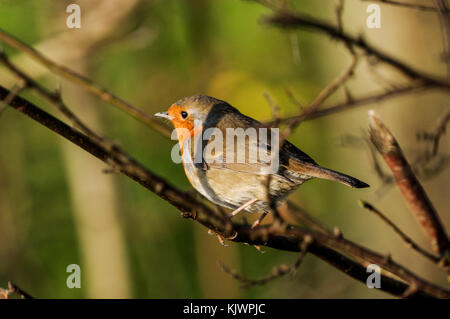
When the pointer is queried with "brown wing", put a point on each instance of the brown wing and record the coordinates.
(242, 147)
(253, 152)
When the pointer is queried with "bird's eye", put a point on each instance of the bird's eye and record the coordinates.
(184, 114)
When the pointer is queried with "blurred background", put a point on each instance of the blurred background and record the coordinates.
(57, 207)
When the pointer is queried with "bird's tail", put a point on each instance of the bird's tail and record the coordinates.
(315, 170)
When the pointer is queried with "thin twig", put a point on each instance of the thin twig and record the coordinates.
(14, 289)
(444, 18)
(275, 109)
(85, 83)
(267, 234)
(313, 107)
(306, 219)
(14, 91)
(425, 165)
(338, 9)
(409, 292)
(409, 242)
(286, 18)
(53, 98)
(289, 19)
(356, 102)
(293, 99)
(437, 133)
(332, 87)
(276, 273)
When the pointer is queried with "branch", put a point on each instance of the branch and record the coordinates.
(409, 242)
(437, 133)
(306, 219)
(293, 236)
(53, 98)
(411, 189)
(326, 92)
(425, 165)
(353, 103)
(277, 272)
(84, 82)
(444, 18)
(14, 289)
(326, 247)
(287, 19)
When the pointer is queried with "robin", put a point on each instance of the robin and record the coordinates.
(254, 183)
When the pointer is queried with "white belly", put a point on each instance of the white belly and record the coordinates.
(232, 189)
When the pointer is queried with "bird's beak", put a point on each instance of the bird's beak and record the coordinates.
(164, 115)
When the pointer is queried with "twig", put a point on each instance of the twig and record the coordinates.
(86, 83)
(421, 165)
(14, 91)
(425, 165)
(409, 242)
(411, 189)
(444, 18)
(327, 91)
(313, 107)
(276, 273)
(306, 219)
(268, 235)
(353, 103)
(437, 133)
(338, 9)
(53, 98)
(409, 292)
(332, 87)
(289, 240)
(293, 99)
(288, 19)
(14, 289)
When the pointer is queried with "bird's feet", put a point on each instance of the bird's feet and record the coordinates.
(222, 238)
(219, 237)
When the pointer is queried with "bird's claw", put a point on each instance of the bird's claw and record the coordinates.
(220, 237)
(221, 240)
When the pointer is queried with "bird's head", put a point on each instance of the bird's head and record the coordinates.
(193, 112)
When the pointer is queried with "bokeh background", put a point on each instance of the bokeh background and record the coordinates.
(57, 207)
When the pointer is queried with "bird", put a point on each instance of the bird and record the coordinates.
(253, 184)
